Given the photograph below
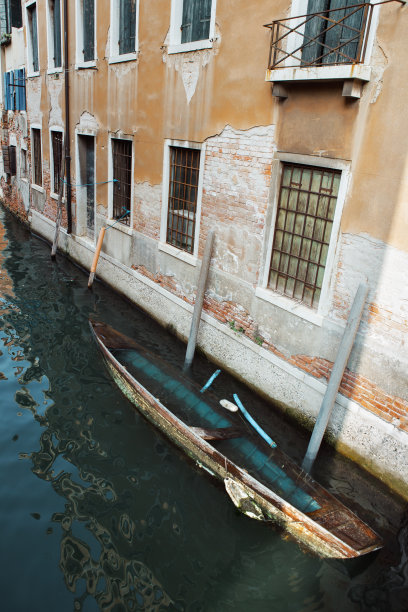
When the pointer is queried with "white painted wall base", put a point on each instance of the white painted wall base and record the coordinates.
(377, 445)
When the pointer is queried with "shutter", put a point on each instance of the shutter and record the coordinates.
(204, 19)
(12, 160)
(187, 21)
(57, 33)
(6, 90)
(12, 91)
(89, 29)
(6, 161)
(340, 35)
(21, 90)
(311, 51)
(34, 38)
(16, 14)
(127, 26)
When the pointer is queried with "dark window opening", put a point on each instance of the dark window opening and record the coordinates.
(36, 153)
(334, 36)
(183, 194)
(23, 163)
(122, 177)
(55, 19)
(88, 22)
(304, 220)
(196, 20)
(56, 141)
(10, 16)
(32, 25)
(127, 26)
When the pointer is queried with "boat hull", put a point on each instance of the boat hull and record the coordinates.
(266, 504)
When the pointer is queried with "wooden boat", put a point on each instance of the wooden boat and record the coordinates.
(263, 482)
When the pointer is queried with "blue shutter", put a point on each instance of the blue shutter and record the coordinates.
(6, 88)
(12, 91)
(20, 89)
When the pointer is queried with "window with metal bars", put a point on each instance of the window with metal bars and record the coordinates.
(304, 220)
(183, 193)
(36, 156)
(56, 145)
(122, 177)
(33, 38)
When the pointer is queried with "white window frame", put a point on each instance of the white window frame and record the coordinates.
(30, 71)
(24, 178)
(114, 56)
(54, 194)
(176, 18)
(79, 55)
(314, 73)
(190, 258)
(126, 229)
(300, 309)
(40, 188)
(81, 192)
(52, 69)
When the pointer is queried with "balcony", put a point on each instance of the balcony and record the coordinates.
(328, 45)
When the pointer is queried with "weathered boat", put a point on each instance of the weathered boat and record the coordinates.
(262, 481)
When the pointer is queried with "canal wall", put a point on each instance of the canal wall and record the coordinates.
(296, 383)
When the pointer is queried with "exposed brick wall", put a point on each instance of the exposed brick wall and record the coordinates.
(12, 196)
(236, 184)
(353, 386)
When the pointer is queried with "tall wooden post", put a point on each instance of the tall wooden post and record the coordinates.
(198, 306)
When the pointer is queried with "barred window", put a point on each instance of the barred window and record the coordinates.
(36, 156)
(56, 142)
(307, 202)
(122, 176)
(183, 193)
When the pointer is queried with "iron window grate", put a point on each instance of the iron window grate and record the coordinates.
(56, 138)
(183, 191)
(307, 202)
(37, 169)
(122, 175)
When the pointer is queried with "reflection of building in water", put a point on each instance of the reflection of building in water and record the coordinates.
(390, 590)
(115, 581)
(6, 284)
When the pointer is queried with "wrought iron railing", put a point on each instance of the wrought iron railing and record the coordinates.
(330, 37)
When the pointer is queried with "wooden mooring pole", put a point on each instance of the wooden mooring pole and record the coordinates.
(96, 256)
(343, 355)
(59, 208)
(198, 306)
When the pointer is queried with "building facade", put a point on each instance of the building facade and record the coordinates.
(290, 141)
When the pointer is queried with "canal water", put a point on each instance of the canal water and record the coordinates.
(99, 512)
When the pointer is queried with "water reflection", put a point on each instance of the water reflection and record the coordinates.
(125, 519)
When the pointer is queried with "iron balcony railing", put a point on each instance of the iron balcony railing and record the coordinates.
(330, 37)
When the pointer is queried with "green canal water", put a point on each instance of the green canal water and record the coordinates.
(99, 512)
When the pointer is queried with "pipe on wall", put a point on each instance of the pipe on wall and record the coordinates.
(67, 127)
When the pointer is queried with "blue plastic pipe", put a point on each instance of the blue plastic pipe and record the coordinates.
(254, 424)
(210, 381)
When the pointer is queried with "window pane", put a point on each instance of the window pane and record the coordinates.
(127, 26)
(183, 193)
(122, 176)
(299, 253)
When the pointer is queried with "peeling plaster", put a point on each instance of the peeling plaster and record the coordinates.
(88, 123)
(379, 62)
(34, 100)
(54, 88)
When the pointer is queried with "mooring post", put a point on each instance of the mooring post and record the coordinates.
(198, 306)
(59, 208)
(96, 257)
(343, 355)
